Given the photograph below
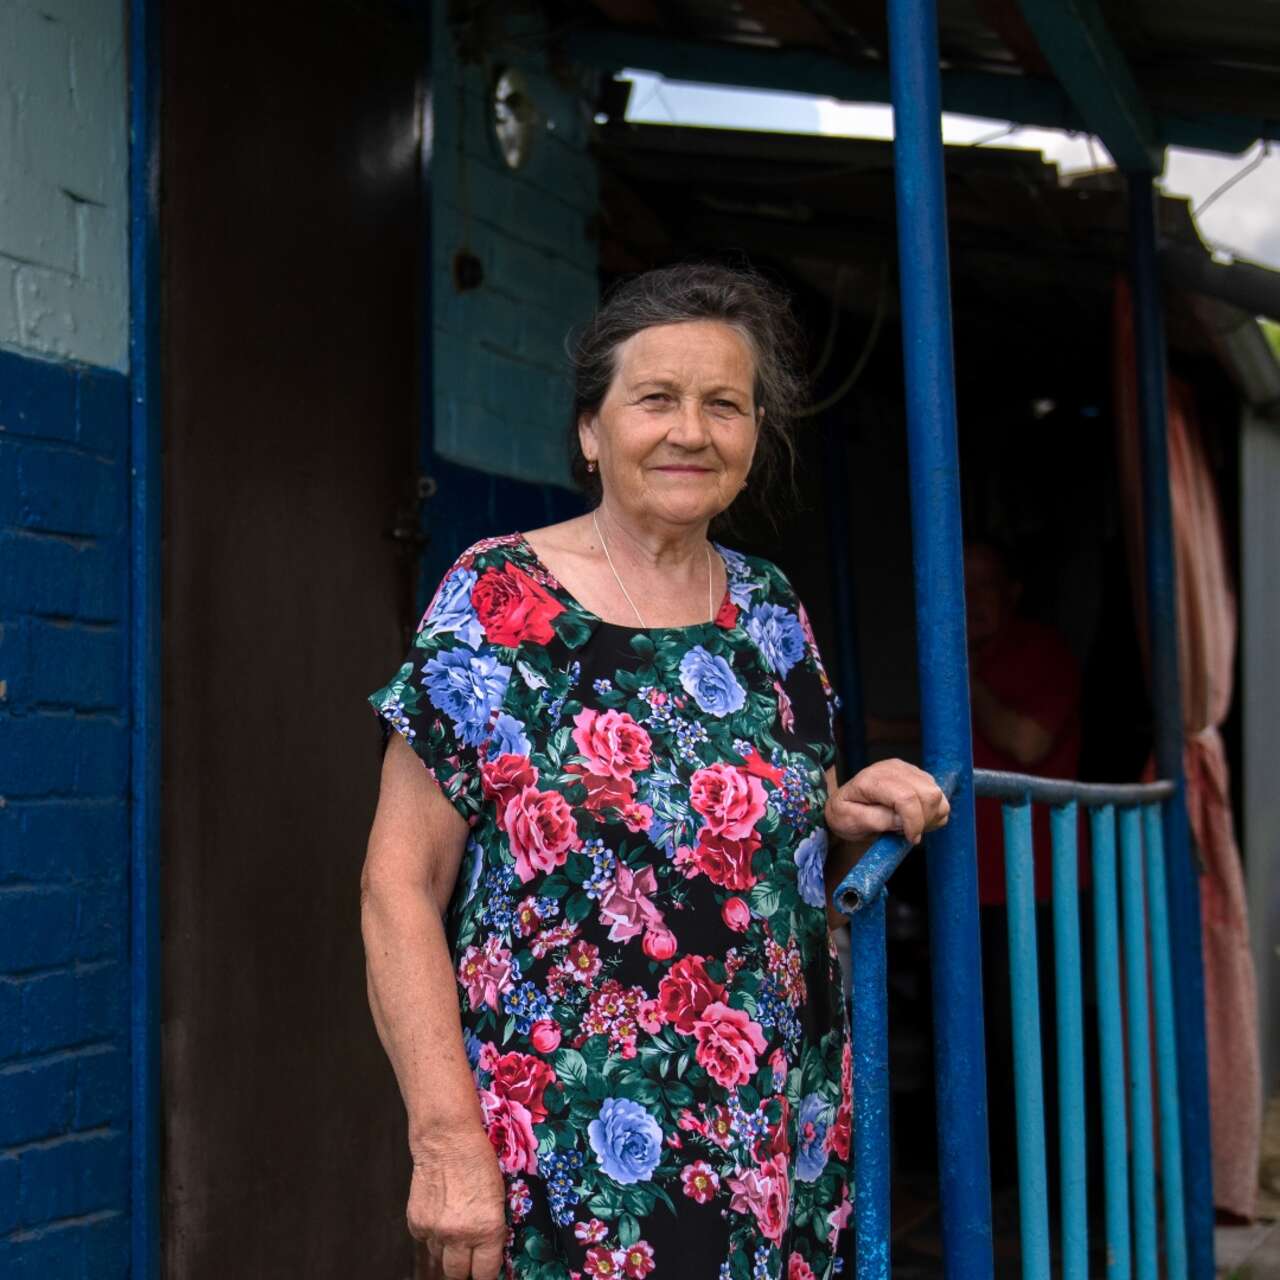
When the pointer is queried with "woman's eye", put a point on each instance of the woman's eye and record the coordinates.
(725, 406)
(656, 397)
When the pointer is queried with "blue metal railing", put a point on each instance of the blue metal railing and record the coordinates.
(1129, 888)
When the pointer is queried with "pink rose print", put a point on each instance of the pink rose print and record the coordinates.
(724, 860)
(611, 742)
(485, 972)
(541, 829)
(798, 1268)
(590, 1232)
(736, 914)
(728, 1042)
(765, 1192)
(626, 907)
(659, 943)
(788, 718)
(685, 991)
(700, 1181)
(510, 1129)
(730, 799)
(544, 1035)
(838, 1218)
(522, 1078)
(504, 778)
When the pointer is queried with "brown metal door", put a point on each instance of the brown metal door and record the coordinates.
(291, 230)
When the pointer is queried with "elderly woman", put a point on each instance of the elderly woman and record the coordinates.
(595, 923)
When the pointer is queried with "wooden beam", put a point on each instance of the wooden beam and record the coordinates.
(1089, 65)
(790, 22)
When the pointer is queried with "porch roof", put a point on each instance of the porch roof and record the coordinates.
(1021, 236)
(1142, 74)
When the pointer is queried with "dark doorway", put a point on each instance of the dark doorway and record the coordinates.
(291, 229)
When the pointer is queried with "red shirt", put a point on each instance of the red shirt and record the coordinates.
(1030, 670)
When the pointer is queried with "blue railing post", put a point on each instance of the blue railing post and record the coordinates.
(869, 1028)
(1175, 1236)
(1183, 889)
(1028, 1067)
(144, 637)
(959, 1063)
(1115, 1133)
(1064, 820)
(1142, 1168)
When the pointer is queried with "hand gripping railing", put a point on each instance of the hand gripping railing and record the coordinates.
(1141, 904)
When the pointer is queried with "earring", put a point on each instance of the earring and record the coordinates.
(591, 466)
(744, 484)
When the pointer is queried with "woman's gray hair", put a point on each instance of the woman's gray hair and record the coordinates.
(736, 296)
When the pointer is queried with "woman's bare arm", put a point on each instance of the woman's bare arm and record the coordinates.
(415, 849)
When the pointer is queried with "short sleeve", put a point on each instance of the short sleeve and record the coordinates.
(776, 623)
(446, 696)
(816, 670)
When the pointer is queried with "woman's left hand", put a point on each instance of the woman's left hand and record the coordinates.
(890, 795)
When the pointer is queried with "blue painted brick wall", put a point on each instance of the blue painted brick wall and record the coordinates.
(64, 754)
(502, 400)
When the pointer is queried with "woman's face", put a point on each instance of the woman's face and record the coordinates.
(677, 430)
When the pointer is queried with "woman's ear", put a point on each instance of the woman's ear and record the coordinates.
(588, 438)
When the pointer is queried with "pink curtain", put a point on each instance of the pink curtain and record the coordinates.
(1206, 650)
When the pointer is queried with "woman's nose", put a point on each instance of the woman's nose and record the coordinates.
(690, 428)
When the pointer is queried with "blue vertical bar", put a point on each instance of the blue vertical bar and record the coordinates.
(1135, 986)
(1115, 1139)
(1175, 1247)
(956, 961)
(1028, 1069)
(869, 1025)
(144, 637)
(1066, 972)
(1183, 889)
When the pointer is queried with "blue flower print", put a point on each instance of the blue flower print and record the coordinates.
(710, 681)
(812, 1123)
(777, 633)
(626, 1139)
(508, 738)
(468, 687)
(811, 865)
(453, 610)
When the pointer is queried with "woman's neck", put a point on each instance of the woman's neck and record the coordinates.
(651, 545)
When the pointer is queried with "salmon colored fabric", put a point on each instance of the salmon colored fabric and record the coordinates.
(1206, 653)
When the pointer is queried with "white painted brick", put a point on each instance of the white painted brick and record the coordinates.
(37, 221)
(10, 333)
(102, 255)
(62, 315)
(38, 69)
(64, 134)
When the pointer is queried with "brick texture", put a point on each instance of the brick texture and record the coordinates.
(64, 751)
(502, 398)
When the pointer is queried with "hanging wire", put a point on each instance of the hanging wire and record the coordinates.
(994, 137)
(1239, 176)
(882, 297)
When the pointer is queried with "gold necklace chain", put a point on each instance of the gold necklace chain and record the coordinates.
(604, 546)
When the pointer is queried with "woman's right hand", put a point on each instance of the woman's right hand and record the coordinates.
(457, 1207)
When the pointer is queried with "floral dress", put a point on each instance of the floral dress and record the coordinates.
(650, 1000)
